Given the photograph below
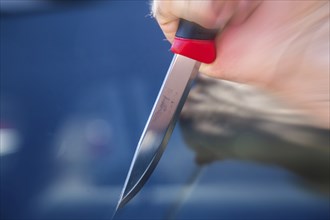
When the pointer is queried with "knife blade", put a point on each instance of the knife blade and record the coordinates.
(192, 45)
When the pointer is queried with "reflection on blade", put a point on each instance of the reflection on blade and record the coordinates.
(160, 124)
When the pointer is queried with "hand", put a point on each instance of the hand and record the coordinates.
(282, 46)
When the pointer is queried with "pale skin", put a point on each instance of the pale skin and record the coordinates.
(281, 46)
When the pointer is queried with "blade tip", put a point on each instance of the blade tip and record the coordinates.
(119, 206)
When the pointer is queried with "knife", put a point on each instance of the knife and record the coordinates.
(192, 45)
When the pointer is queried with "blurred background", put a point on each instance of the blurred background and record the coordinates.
(78, 81)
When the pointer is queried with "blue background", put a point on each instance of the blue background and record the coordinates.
(78, 81)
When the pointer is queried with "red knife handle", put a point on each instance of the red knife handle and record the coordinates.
(194, 41)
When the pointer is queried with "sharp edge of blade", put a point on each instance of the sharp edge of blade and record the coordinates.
(143, 135)
(124, 199)
(144, 132)
(135, 189)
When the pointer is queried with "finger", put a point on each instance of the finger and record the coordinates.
(168, 22)
(202, 12)
(243, 10)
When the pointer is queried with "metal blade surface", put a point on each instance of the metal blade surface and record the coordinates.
(160, 125)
